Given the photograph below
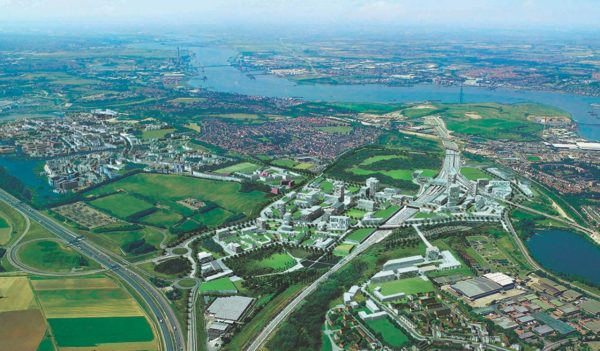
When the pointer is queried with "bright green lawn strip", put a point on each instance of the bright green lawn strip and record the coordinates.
(89, 332)
(277, 261)
(392, 335)
(386, 213)
(359, 235)
(285, 162)
(409, 286)
(343, 249)
(326, 186)
(221, 284)
(473, 173)
(212, 218)
(3, 223)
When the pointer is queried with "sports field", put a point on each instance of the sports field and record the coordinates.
(392, 335)
(278, 261)
(217, 285)
(359, 235)
(473, 173)
(47, 255)
(242, 167)
(409, 286)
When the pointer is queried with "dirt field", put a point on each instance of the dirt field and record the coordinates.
(21, 330)
(15, 293)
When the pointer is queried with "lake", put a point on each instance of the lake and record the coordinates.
(566, 252)
(225, 78)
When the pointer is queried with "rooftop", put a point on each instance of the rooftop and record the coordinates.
(230, 308)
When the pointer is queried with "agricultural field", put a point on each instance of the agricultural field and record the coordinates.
(93, 312)
(52, 256)
(392, 335)
(409, 286)
(498, 121)
(5, 231)
(242, 167)
(155, 199)
(473, 173)
(392, 167)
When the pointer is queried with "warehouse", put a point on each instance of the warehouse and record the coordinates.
(477, 288)
(230, 308)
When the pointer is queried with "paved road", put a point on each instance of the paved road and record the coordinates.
(170, 331)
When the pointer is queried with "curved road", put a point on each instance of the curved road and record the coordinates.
(170, 331)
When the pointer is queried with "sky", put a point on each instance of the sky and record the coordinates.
(504, 14)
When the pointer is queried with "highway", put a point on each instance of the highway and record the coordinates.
(170, 331)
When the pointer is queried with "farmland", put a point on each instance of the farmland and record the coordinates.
(154, 199)
(93, 312)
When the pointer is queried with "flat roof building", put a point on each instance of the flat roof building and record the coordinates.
(477, 288)
(230, 308)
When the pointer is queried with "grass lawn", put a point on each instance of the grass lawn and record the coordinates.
(156, 134)
(473, 173)
(217, 285)
(166, 190)
(278, 261)
(409, 286)
(52, 256)
(355, 213)
(242, 167)
(359, 235)
(10, 221)
(336, 129)
(90, 332)
(187, 283)
(5, 230)
(326, 186)
(386, 213)
(162, 218)
(212, 218)
(284, 162)
(121, 205)
(343, 249)
(391, 334)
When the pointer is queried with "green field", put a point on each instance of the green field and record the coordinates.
(277, 261)
(498, 121)
(242, 167)
(143, 191)
(336, 129)
(391, 334)
(162, 218)
(386, 212)
(156, 134)
(359, 235)
(393, 167)
(409, 286)
(473, 173)
(5, 230)
(90, 332)
(52, 256)
(121, 205)
(343, 249)
(221, 284)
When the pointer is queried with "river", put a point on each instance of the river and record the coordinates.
(225, 78)
(566, 252)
